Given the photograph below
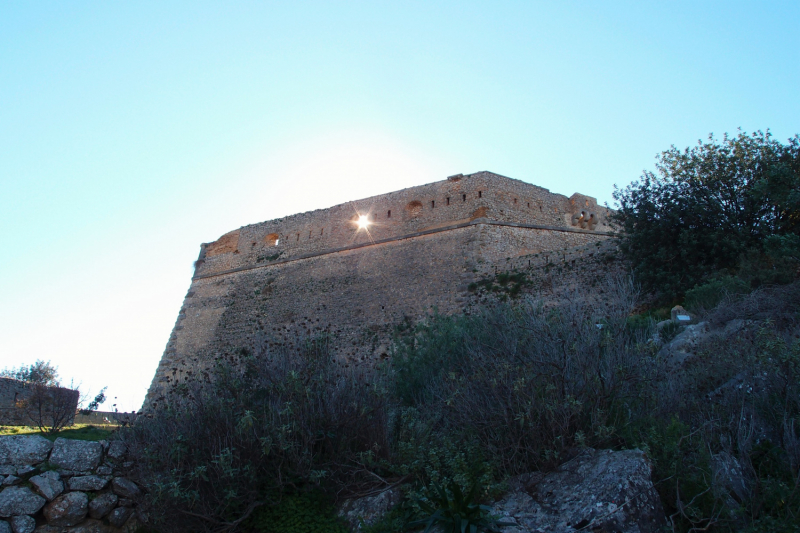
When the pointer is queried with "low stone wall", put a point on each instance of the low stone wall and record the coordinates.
(69, 486)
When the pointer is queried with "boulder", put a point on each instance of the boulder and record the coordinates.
(15, 501)
(7, 470)
(87, 483)
(596, 491)
(104, 470)
(102, 505)
(24, 449)
(685, 344)
(77, 455)
(22, 524)
(5, 527)
(369, 509)
(125, 487)
(119, 516)
(729, 480)
(48, 484)
(67, 510)
(11, 480)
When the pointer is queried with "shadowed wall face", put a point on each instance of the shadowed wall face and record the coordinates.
(317, 272)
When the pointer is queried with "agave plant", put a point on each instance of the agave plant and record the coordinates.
(459, 514)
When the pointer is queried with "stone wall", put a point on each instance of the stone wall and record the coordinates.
(67, 486)
(14, 394)
(317, 272)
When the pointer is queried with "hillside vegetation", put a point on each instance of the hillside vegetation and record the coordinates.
(269, 439)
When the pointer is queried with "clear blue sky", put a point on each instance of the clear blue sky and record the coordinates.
(132, 132)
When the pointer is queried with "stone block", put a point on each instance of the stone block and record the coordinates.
(76, 455)
(15, 501)
(102, 505)
(22, 524)
(117, 449)
(125, 488)
(119, 516)
(85, 483)
(48, 484)
(67, 510)
(24, 449)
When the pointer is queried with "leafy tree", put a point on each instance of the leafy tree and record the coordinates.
(40, 372)
(709, 206)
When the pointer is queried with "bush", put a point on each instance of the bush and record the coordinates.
(708, 295)
(707, 208)
(736, 400)
(260, 428)
(524, 384)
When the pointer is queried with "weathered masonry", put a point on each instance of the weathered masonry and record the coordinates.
(324, 271)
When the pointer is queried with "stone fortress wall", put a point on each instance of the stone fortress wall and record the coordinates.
(316, 271)
(14, 393)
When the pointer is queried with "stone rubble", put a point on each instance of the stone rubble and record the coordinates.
(68, 486)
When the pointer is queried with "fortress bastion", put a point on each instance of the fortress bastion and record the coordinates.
(318, 271)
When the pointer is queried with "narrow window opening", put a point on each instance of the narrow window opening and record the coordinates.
(321, 231)
(298, 237)
(433, 204)
(463, 197)
(529, 204)
(480, 194)
(309, 234)
(515, 200)
(389, 214)
(448, 200)
(540, 208)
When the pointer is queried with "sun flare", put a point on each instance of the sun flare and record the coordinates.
(363, 222)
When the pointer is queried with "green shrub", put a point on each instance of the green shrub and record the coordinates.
(452, 511)
(281, 421)
(525, 383)
(708, 295)
(305, 513)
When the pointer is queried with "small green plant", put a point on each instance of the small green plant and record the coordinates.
(268, 258)
(303, 513)
(457, 514)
